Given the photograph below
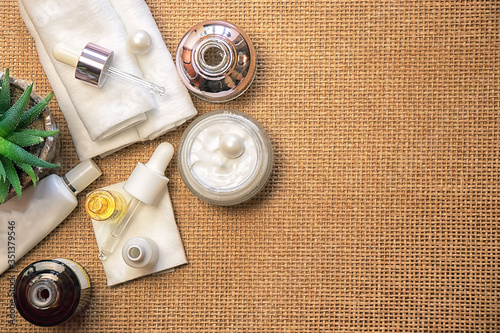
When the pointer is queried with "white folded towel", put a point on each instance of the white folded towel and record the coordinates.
(154, 222)
(104, 120)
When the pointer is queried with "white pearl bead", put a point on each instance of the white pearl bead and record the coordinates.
(139, 42)
(231, 145)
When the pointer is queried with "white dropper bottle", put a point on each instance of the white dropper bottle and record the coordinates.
(146, 183)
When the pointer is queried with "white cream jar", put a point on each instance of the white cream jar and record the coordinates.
(225, 157)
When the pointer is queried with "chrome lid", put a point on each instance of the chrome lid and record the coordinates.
(216, 61)
(93, 64)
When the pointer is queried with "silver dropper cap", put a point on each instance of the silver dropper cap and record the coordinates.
(93, 64)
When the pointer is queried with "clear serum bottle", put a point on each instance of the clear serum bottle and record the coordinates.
(49, 292)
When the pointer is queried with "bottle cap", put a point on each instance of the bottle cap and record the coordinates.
(147, 181)
(81, 176)
(90, 64)
(218, 78)
(140, 252)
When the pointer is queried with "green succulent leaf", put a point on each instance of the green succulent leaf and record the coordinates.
(12, 176)
(29, 170)
(4, 189)
(30, 115)
(12, 117)
(35, 132)
(5, 93)
(18, 154)
(24, 140)
(2, 172)
(30, 137)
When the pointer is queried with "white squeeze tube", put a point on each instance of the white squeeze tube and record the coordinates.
(25, 222)
(145, 185)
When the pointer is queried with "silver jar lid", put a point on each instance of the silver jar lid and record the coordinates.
(216, 61)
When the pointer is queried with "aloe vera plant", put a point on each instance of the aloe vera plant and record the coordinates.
(15, 136)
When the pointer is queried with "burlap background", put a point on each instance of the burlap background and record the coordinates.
(382, 211)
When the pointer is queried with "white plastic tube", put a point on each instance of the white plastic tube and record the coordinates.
(25, 222)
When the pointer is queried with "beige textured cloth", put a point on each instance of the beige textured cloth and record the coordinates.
(381, 214)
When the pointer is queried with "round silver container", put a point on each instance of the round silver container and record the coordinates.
(242, 190)
(216, 61)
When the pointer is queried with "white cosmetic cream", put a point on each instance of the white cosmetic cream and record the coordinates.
(225, 157)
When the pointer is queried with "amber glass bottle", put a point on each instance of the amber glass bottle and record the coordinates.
(49, 292)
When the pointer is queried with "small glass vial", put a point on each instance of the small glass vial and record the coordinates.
(225, 157)
(105, 205)
(49, 292)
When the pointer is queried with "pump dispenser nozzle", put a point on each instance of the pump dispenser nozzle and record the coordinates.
(145, 184)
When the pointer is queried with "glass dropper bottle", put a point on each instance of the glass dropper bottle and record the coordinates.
(105, 205)
(146, 183)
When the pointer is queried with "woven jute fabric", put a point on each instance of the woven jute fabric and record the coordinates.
(382, 210)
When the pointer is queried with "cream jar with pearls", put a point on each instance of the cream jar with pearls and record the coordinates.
(225, 157)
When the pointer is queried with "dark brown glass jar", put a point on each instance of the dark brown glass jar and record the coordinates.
(49, 292)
